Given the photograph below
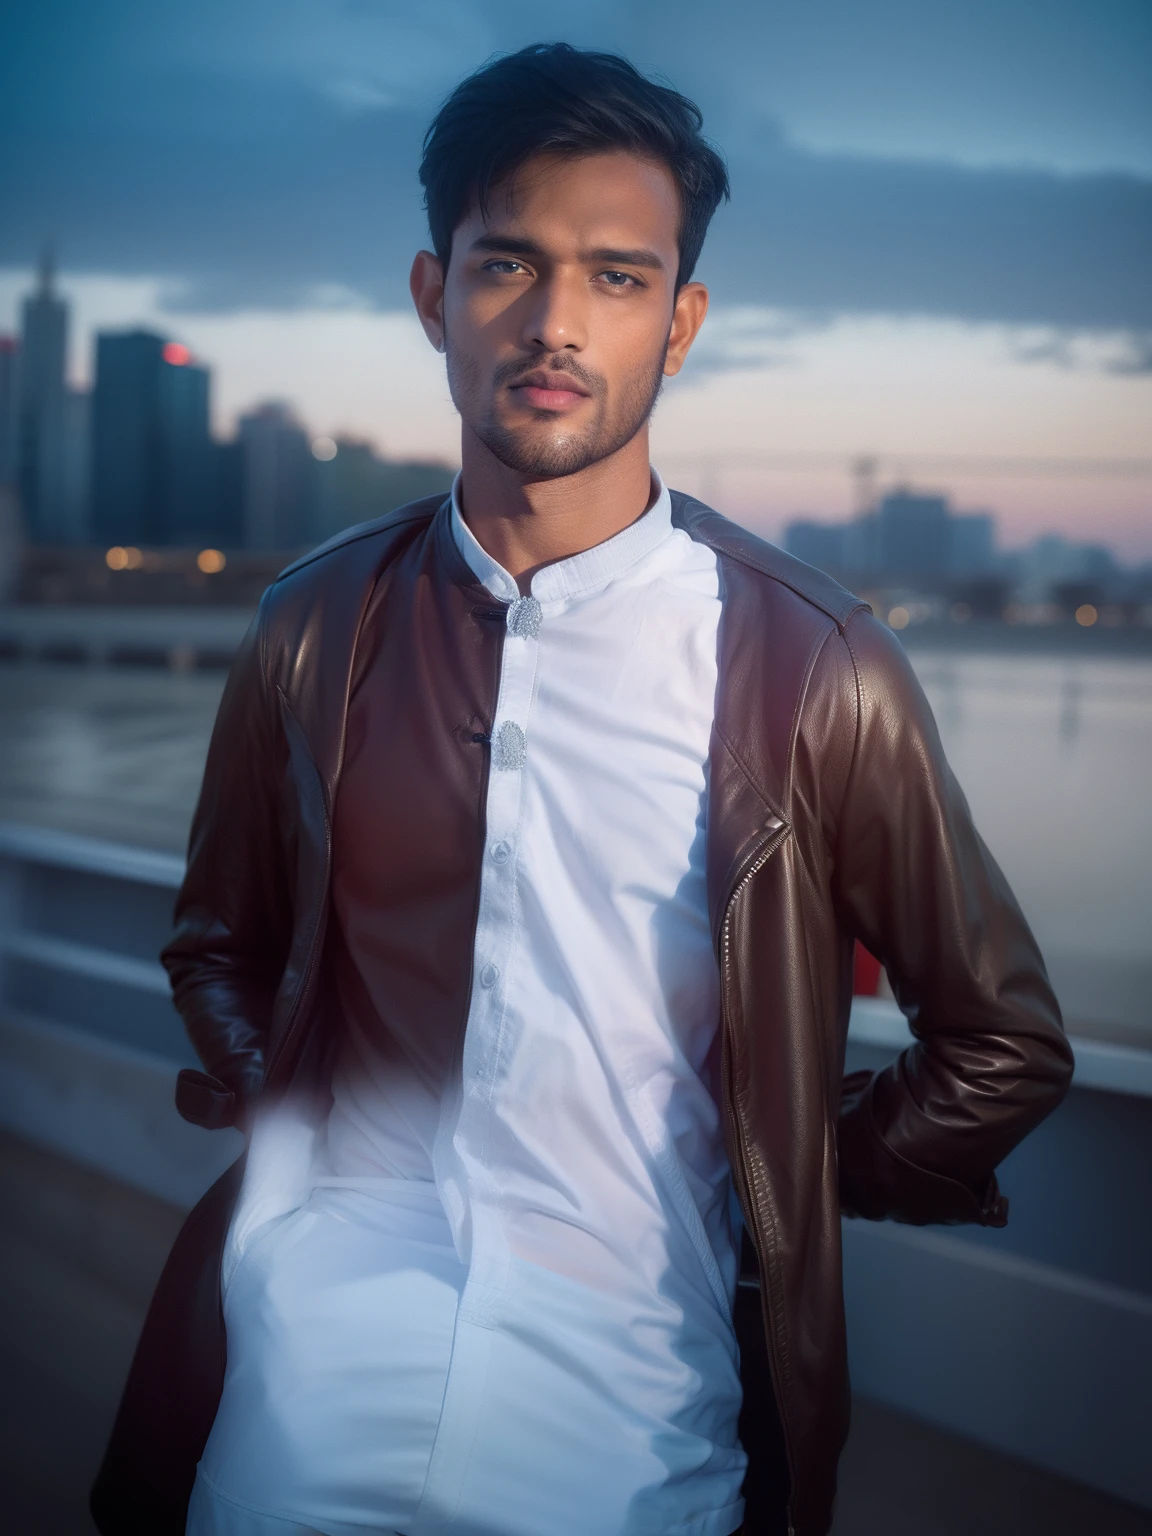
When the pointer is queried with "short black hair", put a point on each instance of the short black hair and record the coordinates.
(551, 98)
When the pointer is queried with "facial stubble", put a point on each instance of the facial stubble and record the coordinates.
(553, 454)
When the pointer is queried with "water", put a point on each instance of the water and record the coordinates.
(1055, 756)
(115, 753)
(1054, 753)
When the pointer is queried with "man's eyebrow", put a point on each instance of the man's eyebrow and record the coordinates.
(608, 256)
(516, 245)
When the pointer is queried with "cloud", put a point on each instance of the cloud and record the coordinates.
(254, 155)
(1123, 353)
(228, 293)
(746, 338)
(1135, 356)
(877, 236)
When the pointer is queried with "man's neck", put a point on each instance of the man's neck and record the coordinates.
(528, 524)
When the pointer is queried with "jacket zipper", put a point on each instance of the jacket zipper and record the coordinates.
(763, 1253)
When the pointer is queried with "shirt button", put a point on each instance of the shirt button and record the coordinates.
(525, 617)
(509, 746)
(489, 975)
(501, 852)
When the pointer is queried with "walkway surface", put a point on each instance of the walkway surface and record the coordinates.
(79, 1258)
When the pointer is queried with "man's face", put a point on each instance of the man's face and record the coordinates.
(559, 313)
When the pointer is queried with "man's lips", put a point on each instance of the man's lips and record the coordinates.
(549, 391)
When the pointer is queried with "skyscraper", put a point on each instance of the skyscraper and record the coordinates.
(74, 471)
(915, 536)
(10, 520)
(972, 546)
(819, 544)
(188, 512)
(40, 427)
(127, 477)
(9, 384)
(152, 459)
(355, 484)
(279, 478)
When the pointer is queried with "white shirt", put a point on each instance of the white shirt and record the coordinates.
(506, 1308)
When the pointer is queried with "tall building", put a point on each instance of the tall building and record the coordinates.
(40, 426)
(228, 489)
(9, 385)
(819, 544)
(279, 478)
(862, 544)
(74, 470)
(914, 535)
(354, 485)
(909, 539)
(1051, 562)
(11, 532)
(127, 473)
(152, 452)
(189, 511)
(972, 550)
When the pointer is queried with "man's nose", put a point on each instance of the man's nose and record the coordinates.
(555, 319)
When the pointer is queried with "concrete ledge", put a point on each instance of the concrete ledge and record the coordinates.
(108, 1106)
(92, 855)
(85, 960)
(97, 633)
(1045, 1365)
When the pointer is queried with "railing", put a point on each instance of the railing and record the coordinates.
(89, 1041)
(1036, 1339)
(181, 638)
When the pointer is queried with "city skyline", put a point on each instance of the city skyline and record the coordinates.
(938, 246)
(132, 460)
(390, 391)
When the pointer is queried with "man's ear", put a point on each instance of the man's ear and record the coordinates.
(687, 317)
(426, 283)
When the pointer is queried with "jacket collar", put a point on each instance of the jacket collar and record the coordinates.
(579, 575)
(778, 614)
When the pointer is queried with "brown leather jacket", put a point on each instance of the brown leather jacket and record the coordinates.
(832, 817)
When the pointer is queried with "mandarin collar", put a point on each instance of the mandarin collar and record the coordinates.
(579, 575)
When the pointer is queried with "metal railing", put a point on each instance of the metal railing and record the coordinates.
(1036, 1339)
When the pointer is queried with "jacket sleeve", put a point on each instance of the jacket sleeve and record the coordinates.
(233, 913)
(914, 882)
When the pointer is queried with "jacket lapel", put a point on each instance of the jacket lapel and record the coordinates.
(763, 672)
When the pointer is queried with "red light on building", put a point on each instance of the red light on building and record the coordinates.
(176, 354)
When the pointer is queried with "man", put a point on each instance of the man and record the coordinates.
(537, 830)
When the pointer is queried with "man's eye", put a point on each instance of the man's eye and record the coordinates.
(617, 279)
(504, 264)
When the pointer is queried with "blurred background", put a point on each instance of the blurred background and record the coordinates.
(927, 369)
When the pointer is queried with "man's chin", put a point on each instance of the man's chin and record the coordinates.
(537, 456)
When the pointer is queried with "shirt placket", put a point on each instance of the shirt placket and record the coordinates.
(488, 1042)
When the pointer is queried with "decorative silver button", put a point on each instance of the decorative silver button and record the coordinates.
(524, 618)
(501, 852)
(489, 975)
(509, 746)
